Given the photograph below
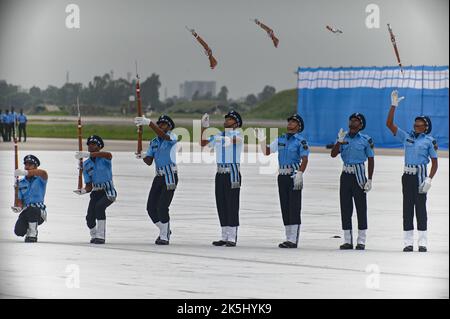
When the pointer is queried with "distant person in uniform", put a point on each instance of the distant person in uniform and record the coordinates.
(13, 121)
(419, 148)
(2, 126)
(162, 151)
(228, 146)
(293, 152)
(22, 119)
(7, 125)
(355, 148)
(31, 193)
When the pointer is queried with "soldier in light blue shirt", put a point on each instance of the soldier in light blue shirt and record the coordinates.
(293, 152)
(228, 146)
(355, 148)
(22, 119)
(162, 151)
(2, 126)
(7, 124)
(419, 147)
(97, 174)
(31, 194)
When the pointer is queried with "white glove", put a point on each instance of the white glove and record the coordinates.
(395, 100)
(298, 180)
(142, 121)
(341, 135)
(16, 210)
(425, 186)
(368, 186)
(81, 154)
(260, 134)
(205, 120)
(226, 139)
(20, 172)
(80, 191)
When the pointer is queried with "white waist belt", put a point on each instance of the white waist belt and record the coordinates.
(349, 169)
(410, 170)
(285, 171)
(223, 170)
(162, 172)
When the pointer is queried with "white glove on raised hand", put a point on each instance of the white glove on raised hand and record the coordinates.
(16, 210)
(425, 186)
(80, 191)
(395, 100)
(298, 180)
(260, 134)
(341, 135)
(142, 121)
(205, 120)
(368, 186)
(82, 154)
(20, 172)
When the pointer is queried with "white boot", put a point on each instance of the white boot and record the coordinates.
(224, 233)
(287, 229)
(232, 234)
(348, 237)
(294, 232)
(164, 232)
(408, 237)
(93, 232)
(362, 234)
(32, 230)
(423, 241)
(101, 229)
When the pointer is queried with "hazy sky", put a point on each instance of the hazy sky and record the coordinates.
(36, 48)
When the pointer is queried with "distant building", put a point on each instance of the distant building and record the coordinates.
(188, 88)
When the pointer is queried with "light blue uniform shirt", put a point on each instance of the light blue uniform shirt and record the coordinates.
(32, 190)
(290, 148)
(230, 154)
(358, 149)
(418, 150)
(97, 170)
(163, 151)
(22, 118)
(8, 119)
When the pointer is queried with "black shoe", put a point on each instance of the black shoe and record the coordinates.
(287, 244)
(99, 241)
(92, 240)
(422, 249)
(219, 243)
(30, 239)
(346, 246)
(160, 241)
(408, 248)
(230, 244)
(360, 247)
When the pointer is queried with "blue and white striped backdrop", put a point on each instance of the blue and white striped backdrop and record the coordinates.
(327, 96)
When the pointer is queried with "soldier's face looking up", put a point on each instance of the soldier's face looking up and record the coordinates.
(293, 126)
(92, 147)
(229, 122)
(164, 126)
(354, 125)
(420, 126)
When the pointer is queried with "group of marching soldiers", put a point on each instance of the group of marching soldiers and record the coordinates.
(354, 147)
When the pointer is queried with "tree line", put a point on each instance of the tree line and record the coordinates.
(104, 91)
